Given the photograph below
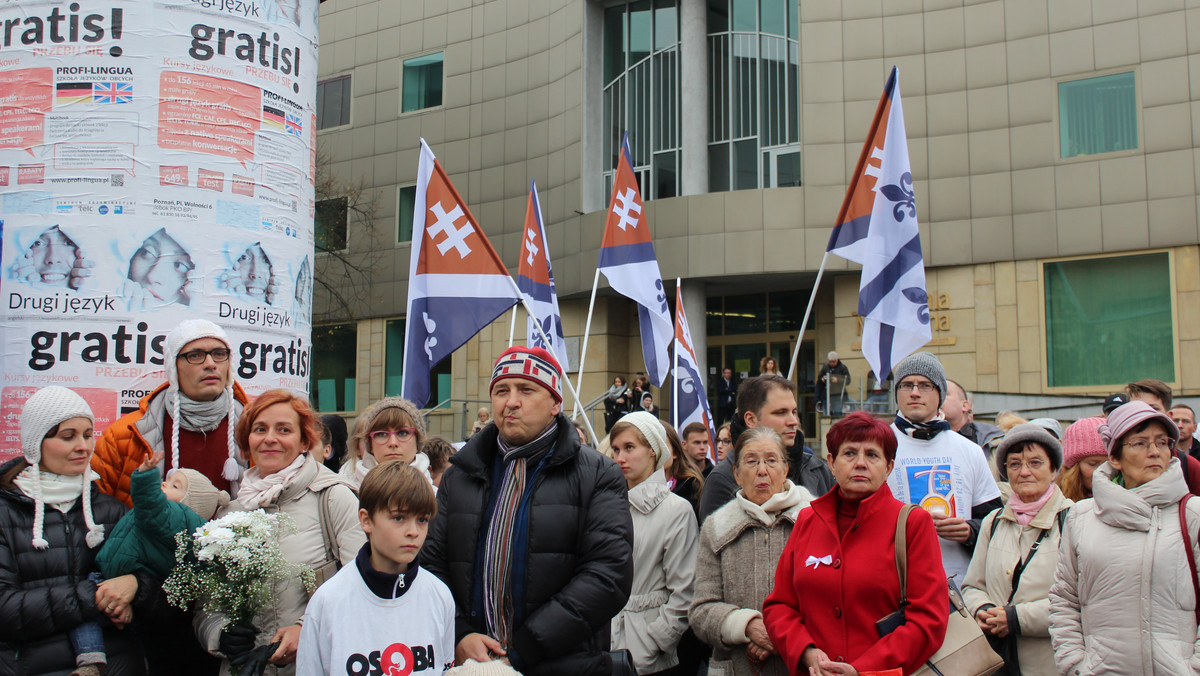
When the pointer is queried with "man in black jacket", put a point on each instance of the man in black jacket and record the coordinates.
(768, 401)
(533, 534)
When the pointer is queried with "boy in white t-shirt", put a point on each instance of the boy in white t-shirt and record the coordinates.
(384, 614)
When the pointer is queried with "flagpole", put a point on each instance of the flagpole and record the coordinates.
(807, 311)
(512, 326)
(546, 339)
(587, 329)
(675, 366)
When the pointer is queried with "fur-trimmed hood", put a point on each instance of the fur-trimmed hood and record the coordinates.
(739, 514)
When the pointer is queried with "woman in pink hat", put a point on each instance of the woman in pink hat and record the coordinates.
(1083, 452)
(1125, 559)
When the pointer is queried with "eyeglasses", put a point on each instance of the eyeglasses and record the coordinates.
(753, 463)
(923, 388)
(1014, 466)
(724, 442)
(1165, 443)
(402, 434)
(218, 354)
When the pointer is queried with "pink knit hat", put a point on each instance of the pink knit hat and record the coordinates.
(1081, 440)
(1128, 416)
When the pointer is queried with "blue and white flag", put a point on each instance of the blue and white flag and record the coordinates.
(457, 284)
(627, 259)
(535, 279)
(877, 228)
(691, 402)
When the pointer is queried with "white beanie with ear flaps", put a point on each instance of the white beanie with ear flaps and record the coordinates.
(186, 332)
(46, 409)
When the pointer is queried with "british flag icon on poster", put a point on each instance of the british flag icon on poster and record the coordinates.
(457, 284)
(112, 92)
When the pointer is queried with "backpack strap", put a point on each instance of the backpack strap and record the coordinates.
(902, 552)
(1187, 547)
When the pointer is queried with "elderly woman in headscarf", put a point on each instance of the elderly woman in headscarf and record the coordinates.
(52, 523)
(740, 546)
(1008, 581)
(838, 575)
(654, 619)
(1124, 557)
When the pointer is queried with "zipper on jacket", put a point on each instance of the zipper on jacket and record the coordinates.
(70, 550)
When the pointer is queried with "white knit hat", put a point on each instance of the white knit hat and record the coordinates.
(188, 331)
(493, 668)
(45, 410)
(652, 429)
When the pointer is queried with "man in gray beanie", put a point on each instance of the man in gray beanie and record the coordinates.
(936, 469)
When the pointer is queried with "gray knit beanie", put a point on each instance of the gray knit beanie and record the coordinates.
(1023, 434)
(921, 364)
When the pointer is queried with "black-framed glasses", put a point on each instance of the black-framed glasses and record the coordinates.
(218, 354)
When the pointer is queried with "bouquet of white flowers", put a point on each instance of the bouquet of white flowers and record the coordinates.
(231, 564)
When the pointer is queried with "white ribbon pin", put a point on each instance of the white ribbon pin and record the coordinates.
(816, 561)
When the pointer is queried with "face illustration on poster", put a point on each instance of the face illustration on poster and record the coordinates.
(162, 267)
(252, 276)
(302, 293)
(53, 259)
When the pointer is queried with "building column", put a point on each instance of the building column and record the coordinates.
(693, 95)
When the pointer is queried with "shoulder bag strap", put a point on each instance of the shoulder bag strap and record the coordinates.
(1020, 567)
(331, 552)
(1187, 547)
(902, 552)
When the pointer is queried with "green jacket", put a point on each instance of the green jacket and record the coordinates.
(144, 539)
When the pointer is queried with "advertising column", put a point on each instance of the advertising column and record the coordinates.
(156, 164)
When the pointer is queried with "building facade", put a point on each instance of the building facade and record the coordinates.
(1053, 145)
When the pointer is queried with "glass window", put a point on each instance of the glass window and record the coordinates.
(422, 83)
(1108, 320)
(774, 16)
(404, 213)
(335, 347)
(330, 224)
(745, 314)
(333, 102)
(718, 167)
(641, 94)
(787, 170)
(718, 16)
(440, 378)
(745, 165)
(1097, 115)
(713, 314)
(786, 309)
(744, 18)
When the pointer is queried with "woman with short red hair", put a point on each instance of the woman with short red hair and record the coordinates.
(277, 432)
(838, 577)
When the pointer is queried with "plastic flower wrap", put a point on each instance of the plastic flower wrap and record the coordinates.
(231, 564)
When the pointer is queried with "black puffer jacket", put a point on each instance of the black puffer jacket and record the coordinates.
(46, 593)
(578, 569)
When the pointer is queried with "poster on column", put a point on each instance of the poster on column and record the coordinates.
(156, 165)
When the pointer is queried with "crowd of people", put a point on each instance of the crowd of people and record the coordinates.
(529, 551)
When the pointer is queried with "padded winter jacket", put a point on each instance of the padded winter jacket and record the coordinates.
(123, 446)
(144, 539)
(577, 571)
(1122, 601)
(46, 593)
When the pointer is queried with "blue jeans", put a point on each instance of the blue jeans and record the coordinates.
(87, 639)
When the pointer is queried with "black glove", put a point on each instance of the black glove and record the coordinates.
(254, 663)
(236, 640)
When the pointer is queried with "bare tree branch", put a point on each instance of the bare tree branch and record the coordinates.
(344, 267)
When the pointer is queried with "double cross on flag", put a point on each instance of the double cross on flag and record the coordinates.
(457, 284)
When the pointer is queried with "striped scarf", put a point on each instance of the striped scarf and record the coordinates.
(502, 531)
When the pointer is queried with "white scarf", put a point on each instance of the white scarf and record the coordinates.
(257, 491)
(368, 462)
(60, 492)
(769, 511)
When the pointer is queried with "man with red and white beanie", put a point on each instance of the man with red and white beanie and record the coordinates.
(190, 418)
(533, 534)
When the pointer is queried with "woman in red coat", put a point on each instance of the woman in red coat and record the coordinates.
(837, 576)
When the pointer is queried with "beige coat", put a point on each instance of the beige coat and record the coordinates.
(735, 570)
(1122, 601)
(301, 500)
(664, 562)
(1002, 543)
